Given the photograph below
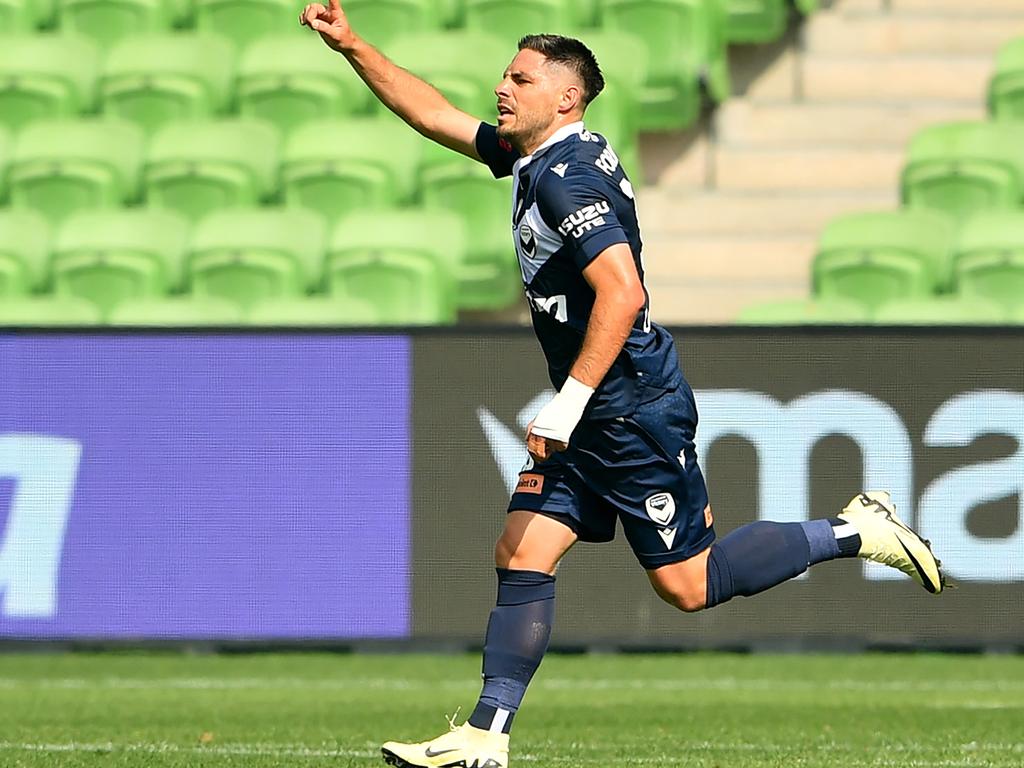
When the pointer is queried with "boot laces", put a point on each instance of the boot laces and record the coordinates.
(451, 720)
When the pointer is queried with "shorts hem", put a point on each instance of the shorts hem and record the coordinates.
(570, 522)
(650, 562)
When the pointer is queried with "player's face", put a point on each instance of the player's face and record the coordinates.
(529, 96)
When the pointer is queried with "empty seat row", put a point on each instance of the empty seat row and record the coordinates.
(108, 21)
(675, 46)
(942, 310)
(406, 264)
(152, 80)
(332, 167)
(192, 311)
(881, 258)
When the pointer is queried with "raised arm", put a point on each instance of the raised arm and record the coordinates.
(418, 103)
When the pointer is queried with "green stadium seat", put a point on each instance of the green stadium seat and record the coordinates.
(46, 76)
(109, 256)
(404, 263)
(290, 80)
(24, 251)
(177, 312)
(465, 66)
(16, 16)
(319, 311)
(335, 166)
(6, 149)
(623, 60)
(48, 311)
(1006, 87)
(516, 18)
(155, 79)
(250, 254)
(380, 21)
(805, 312)
(109, 21)
(62, 166)
(965, 167)
(584, 13)
(44, 12)
(879, 257)
(988, 259)
(686, 43)
(489, 277)
(755, 21)
(197, 167)
(945, 310)
(246, 20)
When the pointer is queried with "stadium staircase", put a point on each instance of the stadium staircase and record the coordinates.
(818, 126)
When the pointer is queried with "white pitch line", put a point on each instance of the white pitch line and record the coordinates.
(551, 684)
(246, 750)
(681, 757)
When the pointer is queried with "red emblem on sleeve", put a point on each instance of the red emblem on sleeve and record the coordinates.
(504, 145)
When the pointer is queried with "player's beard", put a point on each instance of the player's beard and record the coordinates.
(525, 131)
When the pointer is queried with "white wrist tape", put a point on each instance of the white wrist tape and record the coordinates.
(559, 417)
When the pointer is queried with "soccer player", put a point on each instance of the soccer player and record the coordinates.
(617, 440)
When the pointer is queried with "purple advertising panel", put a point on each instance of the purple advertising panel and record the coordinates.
(204, 486)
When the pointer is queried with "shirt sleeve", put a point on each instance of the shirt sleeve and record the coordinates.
(497, 154)
(580, 208)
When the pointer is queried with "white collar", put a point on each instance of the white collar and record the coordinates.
(572, 129)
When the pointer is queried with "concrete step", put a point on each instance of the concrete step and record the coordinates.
(896, 79)
(836, 34)
(667, 213)
(874, 170)
(714, 302)
(969, 8)
(742, 123)
(736, 258)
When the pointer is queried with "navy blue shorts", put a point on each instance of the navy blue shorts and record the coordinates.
(641, 470)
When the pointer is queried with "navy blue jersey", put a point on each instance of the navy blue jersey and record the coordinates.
(572, 200)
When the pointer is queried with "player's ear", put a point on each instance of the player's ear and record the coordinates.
(572, 98)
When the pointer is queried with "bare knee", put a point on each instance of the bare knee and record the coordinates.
(504, 551)
(686, 601)
(532, 542)
(683, 585)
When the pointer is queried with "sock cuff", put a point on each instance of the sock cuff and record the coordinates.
(518, 587)
(719, 578)
(821, 542)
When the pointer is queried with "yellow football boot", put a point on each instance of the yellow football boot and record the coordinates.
(462, 747)
(886, 539)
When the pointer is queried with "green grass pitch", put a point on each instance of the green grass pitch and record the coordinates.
(694, 710)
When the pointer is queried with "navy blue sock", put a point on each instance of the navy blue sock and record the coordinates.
(517, 637)
(754, 558)
(822, 542)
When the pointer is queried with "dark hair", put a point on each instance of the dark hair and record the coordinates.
(573, 54)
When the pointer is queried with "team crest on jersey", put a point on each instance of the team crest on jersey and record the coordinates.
(661, 508)
(527, 241)
(585, 219)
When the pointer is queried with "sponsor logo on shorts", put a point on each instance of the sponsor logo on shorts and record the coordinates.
(661, 508)
(530, 483)
(668, 535)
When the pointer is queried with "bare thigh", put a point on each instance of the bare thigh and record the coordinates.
(532, 542)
